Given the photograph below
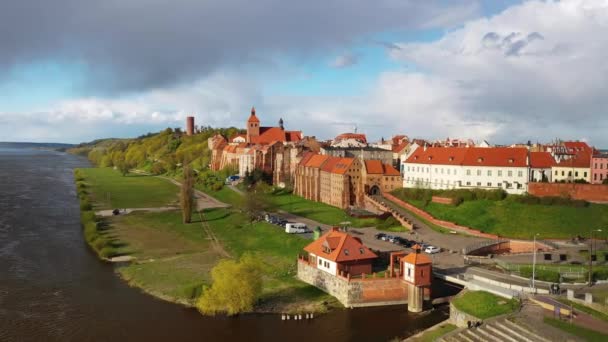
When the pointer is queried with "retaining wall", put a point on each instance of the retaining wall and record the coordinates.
(442, 200)
(588, 192)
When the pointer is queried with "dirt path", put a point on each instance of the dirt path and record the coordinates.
(203, 201)
(217, 245)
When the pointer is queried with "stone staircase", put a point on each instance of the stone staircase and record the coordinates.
(497, 330)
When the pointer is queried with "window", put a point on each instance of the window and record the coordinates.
(509, 173)
(585, 174)
(479, 172)
(490, 173)
(556, 172)
(595, 176)
(576, 174)
(455, 172)
(346, 251)
(519, 186)
(436, 170)
(468, 183)
(448, 171)
(569, 173)
(468, 172)
(489, 184)
(478, 183)
(441, 170)
(562, 173)
(520, 173)
(409, 272)
(320, 261)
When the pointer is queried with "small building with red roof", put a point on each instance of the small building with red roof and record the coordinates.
(577, 167)
(337, 252)
(349, 140)
(599, 167)
(540, 166)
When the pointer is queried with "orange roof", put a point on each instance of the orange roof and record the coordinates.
(316, 160)
(329, 165)
(389, 170)
(305, 158)
(339, 247)
(252, 117)
(541, 160)
(342, 166)
(401, 146)
(472, 156)
(574, 146)
(417, 258)
(356, 136)
(374, 167)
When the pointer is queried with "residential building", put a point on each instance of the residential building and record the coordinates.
(468, 167)
(337, 252)
(576, 167)
(350, 140)
(379, 177)
(599, 167)
(540, 166)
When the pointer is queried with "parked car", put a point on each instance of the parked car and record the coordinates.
(393, 239)
(379, 236)
(386, 238)
(432, 250)
(292, 228)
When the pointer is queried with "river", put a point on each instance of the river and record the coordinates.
(53, 288)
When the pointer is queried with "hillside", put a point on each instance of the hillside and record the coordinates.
(158, 153)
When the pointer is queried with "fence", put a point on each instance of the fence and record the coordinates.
(569, 272)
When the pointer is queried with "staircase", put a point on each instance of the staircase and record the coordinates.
(497, 330)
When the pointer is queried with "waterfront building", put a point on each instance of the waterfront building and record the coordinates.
(577, 167)
(599, 167)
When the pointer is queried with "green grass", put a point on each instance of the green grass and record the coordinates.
(109, 189)
(585, 309)
(433, 335)
(512, 219)
(317, 211)
(585, 334)
(483, 304)
(225, 195)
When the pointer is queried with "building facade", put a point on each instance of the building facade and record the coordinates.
(467, 168)
(599, 168)
(365, 153)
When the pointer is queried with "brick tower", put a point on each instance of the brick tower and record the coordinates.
(190, 125)
(253, 126)
(417, 269)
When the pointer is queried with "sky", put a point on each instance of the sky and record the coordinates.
(505, 71)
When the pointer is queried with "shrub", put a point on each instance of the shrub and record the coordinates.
(388, 223)
(544, 275)
(85, 205)
(600, 274)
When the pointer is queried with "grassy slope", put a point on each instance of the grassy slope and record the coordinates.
(317, 211)
(131, 191)
(585, 334)
(483, 304)
(508, 218)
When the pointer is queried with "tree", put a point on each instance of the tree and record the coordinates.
(187, 194)
(605, 181)
(236, 287)
(256, 201)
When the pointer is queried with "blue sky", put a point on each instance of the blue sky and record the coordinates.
(419, 68)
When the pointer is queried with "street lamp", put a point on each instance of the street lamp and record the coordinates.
(591, 256)
(534, 263)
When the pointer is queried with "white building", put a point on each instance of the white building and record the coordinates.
(540, 166)
(468, 167)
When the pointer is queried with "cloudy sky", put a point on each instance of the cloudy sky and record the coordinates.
(502, 70)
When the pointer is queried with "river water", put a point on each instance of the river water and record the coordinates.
(53, 288)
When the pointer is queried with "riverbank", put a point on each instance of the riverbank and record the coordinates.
(172, 261)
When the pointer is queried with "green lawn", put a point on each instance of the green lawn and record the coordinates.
(225, 195)
(109, 189)
(585, 334)
(317, 211)
(433, 335)
(483, 304)
(511, 219)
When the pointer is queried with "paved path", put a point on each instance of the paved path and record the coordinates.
(203, 201)
(109, 212)
(580, 318)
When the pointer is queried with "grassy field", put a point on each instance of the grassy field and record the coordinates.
(585, 334)
(483, 304)
(511, 219)
(174, 259)
(433, 335)
(109, 190)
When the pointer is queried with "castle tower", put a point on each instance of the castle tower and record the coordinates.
(253, 125)
(190, 125)
(417, 269)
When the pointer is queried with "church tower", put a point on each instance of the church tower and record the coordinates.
(253, 126)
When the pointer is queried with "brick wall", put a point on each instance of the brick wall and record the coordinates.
(441, 223)
(588, 192)
(442, 200)
(355, 292)
(512, 247)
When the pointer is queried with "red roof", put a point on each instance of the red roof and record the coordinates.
(252, 117)
(582, 159)
(330, 163)
(374, 167)
(272, 134)
(316, 160)
(472, 156)
(389, 170)
(339, 247)
(574, 146)
(541, 160)
(337, 165)
(305, 158)
(417, 258)
(355, 136)
(400, 147)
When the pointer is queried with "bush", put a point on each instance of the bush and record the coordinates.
(388, 223)
(601, 274)
(544, 275)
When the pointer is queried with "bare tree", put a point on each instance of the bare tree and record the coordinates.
(187, 194)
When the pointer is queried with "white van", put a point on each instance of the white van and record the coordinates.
(292, 228)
